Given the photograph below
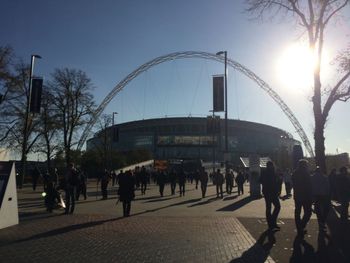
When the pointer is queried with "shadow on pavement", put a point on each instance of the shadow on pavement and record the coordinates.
(64, 230)
(302, 251)
(227, 198)
(236, 205)
(259, 252)
(160, 199)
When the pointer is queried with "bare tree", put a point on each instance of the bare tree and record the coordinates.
(19, 135)
(74, 102)
(314, 16)
(49, 126)
(6, 59)
(105, 140)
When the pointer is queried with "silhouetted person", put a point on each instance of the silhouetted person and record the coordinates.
(143, 179)
(279, 176)
(182, 182)
(343, 186)
(114, 177)
(81, 189)
(219, 179)
(104, 179)
(302, 195)
(71, 181)
(126, 191)
(229, 181)
(161, 182)
(270, 188)
(50, 195)
(172, 178)
(287, 179)
(35, 176)
(240, 179)
(196, 178)
(333, 184)
(321, 193)
(203, 177)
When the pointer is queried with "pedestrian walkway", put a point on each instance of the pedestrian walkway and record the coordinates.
(160, 229)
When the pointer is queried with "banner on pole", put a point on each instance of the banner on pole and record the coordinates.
(218, 93)
(35, 99)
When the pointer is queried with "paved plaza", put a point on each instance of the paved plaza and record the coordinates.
(166, 229)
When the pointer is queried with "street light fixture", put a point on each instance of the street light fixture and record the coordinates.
(226, 120)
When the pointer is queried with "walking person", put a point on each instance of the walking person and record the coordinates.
(240, 179)
(343, 186)
(219, 179)
(322, 199)
(172, 178)
(35, 176)
(161, 181)
(126, 191)
(144, 180)
(104, 179)
(196, 177)
(287, 179)
(270, 188)
(203, 177)
(182, 182)
(81, 189)
(333, 184)
(229, 181)
(71, 181)
(302, 196)
(114, 177)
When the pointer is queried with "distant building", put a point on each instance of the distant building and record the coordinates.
(193, 138)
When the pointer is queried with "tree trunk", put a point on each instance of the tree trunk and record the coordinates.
(320, 156)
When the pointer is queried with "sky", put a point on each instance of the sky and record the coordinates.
(108, 39)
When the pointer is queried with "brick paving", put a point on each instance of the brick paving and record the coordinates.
(161, 229)
(93, 238)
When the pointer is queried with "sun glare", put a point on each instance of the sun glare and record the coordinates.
(295, 67)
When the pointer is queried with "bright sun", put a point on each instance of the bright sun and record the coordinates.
(295, 67)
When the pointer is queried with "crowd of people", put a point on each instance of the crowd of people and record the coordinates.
(310, 188)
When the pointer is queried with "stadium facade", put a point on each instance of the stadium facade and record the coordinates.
(197, 138)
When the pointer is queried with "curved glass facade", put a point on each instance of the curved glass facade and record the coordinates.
(192, 138)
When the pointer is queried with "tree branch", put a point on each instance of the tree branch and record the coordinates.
(334, 95)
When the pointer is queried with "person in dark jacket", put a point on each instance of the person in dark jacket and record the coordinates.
(182, 181)
(229, 181)
(343, 190)
(104, 179)
(219, 179)
(143, 179)
(203, 177)
(161, 181)
(35, 176)
(71, 182)
(172, 178)
(81, 189)
(270, 188)
(126, 191)
(240, 179)
(302, 195)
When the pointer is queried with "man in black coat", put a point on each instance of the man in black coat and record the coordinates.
(126, 191)
(270, 188)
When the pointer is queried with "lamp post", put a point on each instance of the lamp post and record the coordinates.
(26, 120)
(226, 126)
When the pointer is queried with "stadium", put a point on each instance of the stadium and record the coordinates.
(198, 138)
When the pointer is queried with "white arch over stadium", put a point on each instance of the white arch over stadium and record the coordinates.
(203, 55)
